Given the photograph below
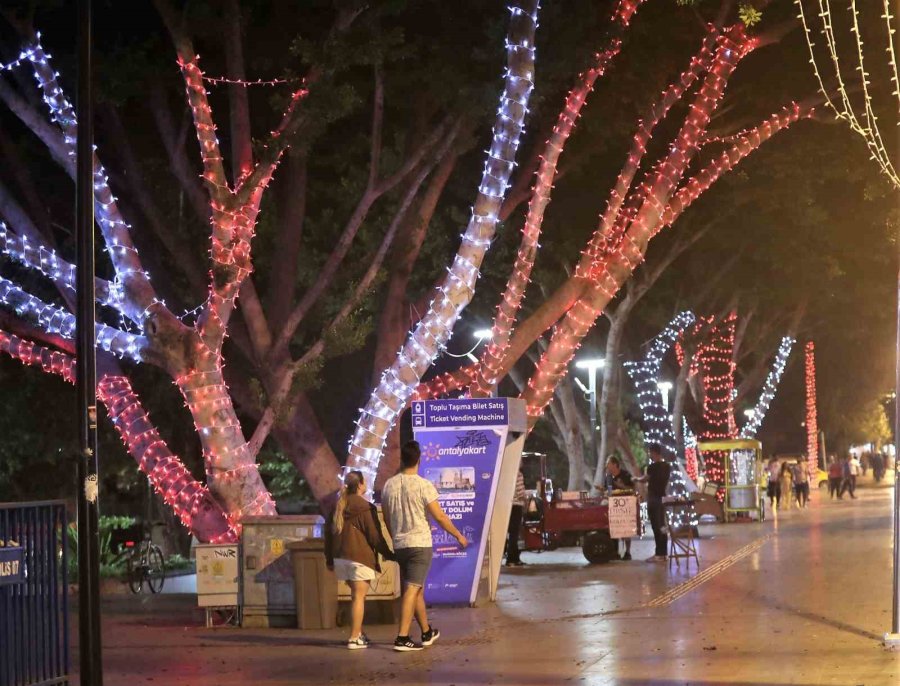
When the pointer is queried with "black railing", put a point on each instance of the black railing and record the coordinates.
(34, 636)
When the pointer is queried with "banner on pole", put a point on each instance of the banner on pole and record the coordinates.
(462, 443)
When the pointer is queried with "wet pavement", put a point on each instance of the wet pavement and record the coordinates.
(800, 599)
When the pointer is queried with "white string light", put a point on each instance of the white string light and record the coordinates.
(434, 330)
(657, 423)
(868, 127)
(751, 428)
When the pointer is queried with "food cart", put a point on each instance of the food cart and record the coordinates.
(743, 469)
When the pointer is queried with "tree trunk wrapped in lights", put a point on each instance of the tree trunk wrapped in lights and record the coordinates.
(812, 422)
(619, 245)
(511, 300)
(191, 355)
(455, 292)
(612, 256)
(758, 414)
(657, 425)
(715, 360)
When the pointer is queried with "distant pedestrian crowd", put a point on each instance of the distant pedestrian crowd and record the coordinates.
(788, 480)
(788, 483)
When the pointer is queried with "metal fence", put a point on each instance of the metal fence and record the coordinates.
(34, 643)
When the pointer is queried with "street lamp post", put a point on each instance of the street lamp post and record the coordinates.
(86, 368)
(592, 365)
(892, 639)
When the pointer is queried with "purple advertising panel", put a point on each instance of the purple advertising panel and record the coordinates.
(463, 465)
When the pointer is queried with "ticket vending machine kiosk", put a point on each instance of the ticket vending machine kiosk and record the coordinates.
(471, 449)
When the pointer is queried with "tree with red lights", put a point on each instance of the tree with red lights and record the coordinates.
(229, 198)
(645, 199)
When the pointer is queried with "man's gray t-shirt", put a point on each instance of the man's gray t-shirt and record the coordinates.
(406, 497)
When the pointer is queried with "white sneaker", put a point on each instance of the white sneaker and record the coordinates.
(358, 643)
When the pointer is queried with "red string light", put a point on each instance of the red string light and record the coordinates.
(190, 500)
(28, 353)
(716, 362)
(491, 367)
(812, 423)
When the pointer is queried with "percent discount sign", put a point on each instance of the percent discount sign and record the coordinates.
(623, 516)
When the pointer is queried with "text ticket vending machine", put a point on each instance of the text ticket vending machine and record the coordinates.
(471, 449)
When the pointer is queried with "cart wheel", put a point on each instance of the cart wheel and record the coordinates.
(598, 547)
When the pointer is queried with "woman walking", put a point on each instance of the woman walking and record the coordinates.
(787, 486)
(834, 477)
(357, 542)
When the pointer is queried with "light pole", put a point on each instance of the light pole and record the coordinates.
(664, 388)
(892, 639)
(87, 495)
(592, 365)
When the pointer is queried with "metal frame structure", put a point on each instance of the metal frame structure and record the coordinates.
(731, 446)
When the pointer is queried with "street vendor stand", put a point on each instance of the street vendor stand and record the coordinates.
(742, 475)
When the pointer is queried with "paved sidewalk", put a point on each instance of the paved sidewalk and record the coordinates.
(802, 599)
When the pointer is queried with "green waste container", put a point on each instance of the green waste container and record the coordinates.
(315, 586)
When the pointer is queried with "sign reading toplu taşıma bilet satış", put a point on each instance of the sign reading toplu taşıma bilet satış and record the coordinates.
(471, 449)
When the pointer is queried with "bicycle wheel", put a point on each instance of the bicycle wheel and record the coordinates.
(135, 573)
(156, 569)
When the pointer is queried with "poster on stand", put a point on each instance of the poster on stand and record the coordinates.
(623, 517)
(461, 454)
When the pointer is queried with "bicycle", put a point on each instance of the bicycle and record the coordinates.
(145, 564)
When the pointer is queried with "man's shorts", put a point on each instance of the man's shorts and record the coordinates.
(414, 565)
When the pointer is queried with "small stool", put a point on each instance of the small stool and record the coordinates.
(682, 543)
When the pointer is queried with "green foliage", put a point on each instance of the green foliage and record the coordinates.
(282, 478)
(636, 441)
(112, 560)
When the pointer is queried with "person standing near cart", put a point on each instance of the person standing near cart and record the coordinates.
(618, 479)
(657, 478)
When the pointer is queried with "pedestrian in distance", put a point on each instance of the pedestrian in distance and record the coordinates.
(801, 483)
(852, 472)
(787, 486)
(356, 542)
(517, 512)
(657, 478)
(878, 467)
(845, 476)
(773, 488)
(407, 500)
(834, 477)
(619, 479)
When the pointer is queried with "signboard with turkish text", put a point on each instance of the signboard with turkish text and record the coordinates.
(12, 567)
(462, 444)
(623, 518)
(459, 412)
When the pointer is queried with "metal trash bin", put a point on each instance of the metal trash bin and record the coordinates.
(315, 586)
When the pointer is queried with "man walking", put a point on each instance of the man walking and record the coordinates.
(774, 486)
(406, 501)
(657, 478)
(801, 483)
(515, 523)
(852, 471)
